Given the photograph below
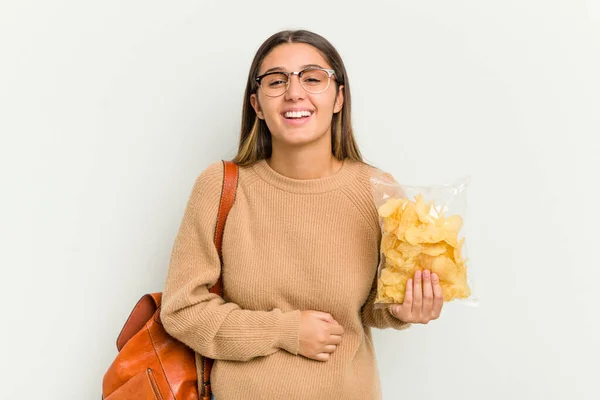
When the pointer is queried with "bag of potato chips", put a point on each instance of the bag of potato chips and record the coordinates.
(421, 228)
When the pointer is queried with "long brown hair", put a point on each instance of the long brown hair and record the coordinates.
(255, 137)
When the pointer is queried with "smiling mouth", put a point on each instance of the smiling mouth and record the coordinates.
(297, 114)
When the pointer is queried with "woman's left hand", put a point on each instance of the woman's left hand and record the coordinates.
(423, 299)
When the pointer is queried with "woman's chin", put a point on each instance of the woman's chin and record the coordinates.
(296, 138)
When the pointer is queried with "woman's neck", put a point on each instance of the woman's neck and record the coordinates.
(312, 163)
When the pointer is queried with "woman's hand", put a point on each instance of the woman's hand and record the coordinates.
(423, 301)
(319, 335)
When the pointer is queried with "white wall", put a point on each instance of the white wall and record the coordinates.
(109, 110)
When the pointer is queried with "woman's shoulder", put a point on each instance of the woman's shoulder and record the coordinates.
(208, 183)
(371, 173)
(211, 174)
(378, 174)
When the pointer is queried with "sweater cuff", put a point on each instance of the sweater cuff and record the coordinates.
(289, 332)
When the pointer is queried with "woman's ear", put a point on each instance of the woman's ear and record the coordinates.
(339, 100)
(256, 105)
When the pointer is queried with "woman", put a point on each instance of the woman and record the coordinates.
(300, 247)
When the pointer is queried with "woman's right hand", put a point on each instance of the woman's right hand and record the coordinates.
(319, 335)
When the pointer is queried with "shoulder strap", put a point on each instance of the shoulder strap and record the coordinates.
(230, 181)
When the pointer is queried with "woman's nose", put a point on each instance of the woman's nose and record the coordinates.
(295, 90)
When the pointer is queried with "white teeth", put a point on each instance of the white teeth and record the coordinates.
(297, 114)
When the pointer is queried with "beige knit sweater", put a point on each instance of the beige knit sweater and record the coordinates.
(289, 245)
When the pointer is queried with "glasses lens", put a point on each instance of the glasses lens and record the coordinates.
(315, 81)
(274, 84)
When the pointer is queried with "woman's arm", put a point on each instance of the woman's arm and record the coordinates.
(200, 319)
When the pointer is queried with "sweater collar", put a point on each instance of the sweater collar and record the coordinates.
(344, 176)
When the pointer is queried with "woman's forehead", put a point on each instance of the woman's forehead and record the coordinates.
(292, 57)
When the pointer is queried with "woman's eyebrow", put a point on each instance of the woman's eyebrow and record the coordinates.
(273, 69)
(311, 66)
(283, 69)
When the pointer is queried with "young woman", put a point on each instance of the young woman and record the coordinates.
(300, 247)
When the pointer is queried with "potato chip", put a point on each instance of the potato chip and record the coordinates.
(388, 241)
(457, 251)
(423, 210)
(390, 207)
(395, 258)
(452, 225)
(409, 219)
(434, 249)
(407, 249)
(394, 294)
(426, 261)
(390, 278)
(391, 286)
(444, 267)
(390, 225)
(424, 234)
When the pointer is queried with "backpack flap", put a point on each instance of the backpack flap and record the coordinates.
(142, 312)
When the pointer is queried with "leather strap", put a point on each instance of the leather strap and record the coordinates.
(230, 181)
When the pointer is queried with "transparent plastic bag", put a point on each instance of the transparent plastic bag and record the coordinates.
(422, 227)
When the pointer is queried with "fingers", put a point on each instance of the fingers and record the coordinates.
(320, 334)
(423, 299)
(438, 297)
(417, 296)
(330, 348)
(403, 311)
(335, 339)
(335, 329)
(427, 295)
(408, 295)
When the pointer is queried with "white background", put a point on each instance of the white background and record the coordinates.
(110, 109)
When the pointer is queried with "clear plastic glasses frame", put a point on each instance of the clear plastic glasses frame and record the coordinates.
(309, 89)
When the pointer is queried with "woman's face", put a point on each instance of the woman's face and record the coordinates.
(297, 131)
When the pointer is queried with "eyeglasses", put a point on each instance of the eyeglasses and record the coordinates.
(313, 80)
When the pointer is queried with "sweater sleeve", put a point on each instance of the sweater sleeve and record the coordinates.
(200, 319)
(379, 318)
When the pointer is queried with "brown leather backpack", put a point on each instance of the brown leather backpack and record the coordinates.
(151, 364)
